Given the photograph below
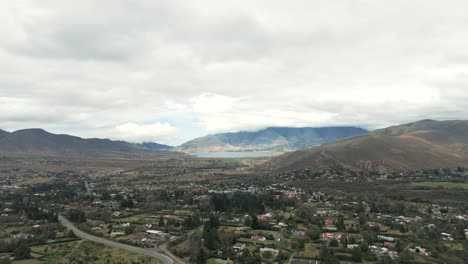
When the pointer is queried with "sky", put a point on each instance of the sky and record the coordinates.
(170, 71)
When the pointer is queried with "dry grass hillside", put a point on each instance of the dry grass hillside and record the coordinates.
(423, 144)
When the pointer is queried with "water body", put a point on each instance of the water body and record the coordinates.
(233, 154)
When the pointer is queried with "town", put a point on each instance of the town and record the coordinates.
(224, 211)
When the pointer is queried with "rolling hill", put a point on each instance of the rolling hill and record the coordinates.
(272, 139)
(419, 145)
(38, 142)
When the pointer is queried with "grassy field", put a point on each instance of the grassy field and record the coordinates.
(442, 184)
(83, 252)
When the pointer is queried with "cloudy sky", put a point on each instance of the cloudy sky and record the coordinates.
(168, 71)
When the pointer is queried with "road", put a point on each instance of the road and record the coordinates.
(146, 251)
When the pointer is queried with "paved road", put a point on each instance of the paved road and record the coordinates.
(146, 251)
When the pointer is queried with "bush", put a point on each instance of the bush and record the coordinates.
(22, 252)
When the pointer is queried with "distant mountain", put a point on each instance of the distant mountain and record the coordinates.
(272, 138)
(3, 133)
(419, 145)
(39, 142)
(153, 145)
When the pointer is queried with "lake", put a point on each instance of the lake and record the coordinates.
(233, 154)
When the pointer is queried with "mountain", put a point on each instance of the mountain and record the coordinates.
(3, 133)
(38, 142)
(154, 145)
(420, 145)
(272, 138)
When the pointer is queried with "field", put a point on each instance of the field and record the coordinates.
(443, 185)
(83, 252)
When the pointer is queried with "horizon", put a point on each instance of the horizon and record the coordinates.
(240, 131)
(171, 71)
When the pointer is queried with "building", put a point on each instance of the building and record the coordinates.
(330, 236)
(239, 247)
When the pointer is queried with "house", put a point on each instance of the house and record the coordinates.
(419, 250)
(352, 246)
(330, 236)
(380, 251)
(446, 236)
(329, 222)
(156, 233)
(239, 247)
(265, 217)
(257, 238)
(389, 244)
(297, 232)
(386, 238)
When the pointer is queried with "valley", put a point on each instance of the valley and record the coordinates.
(218, 210)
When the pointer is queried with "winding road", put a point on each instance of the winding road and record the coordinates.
(146, 251)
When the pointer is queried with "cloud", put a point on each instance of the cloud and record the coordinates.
(144, 133)
(213, 66)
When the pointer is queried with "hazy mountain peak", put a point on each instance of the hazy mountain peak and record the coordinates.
(271, 138)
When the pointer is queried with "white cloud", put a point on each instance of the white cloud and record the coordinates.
(132, 132)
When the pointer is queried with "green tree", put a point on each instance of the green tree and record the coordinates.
(129, 230)
(22, 252)
(201, 257)
(326, 257)
(356, 255)
(255, 224)
(161, 221)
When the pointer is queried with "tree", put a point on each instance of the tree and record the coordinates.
(429, 210)
(403, 228)
(22, 252)
(212, 239)
(77, 216)
(71, 234)
(333, 243)
(161, 221)
(327, 257)
(362, 219)
(344, 240)
(248, 221)
(340, 223)
(129, 230)
(255, 224)
(201, 257)
(357, 255)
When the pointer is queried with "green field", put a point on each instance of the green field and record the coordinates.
(442, 184)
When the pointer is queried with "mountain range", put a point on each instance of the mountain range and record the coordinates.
(270, 139)
(42, 143)
(154, 146)
(419, 145)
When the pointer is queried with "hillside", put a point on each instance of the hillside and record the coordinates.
(3, 133)
(38, 142)
(419, 145)
(272, 138)
(154, 146)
